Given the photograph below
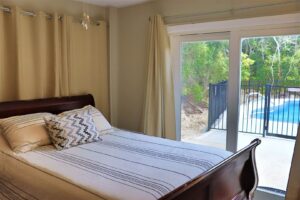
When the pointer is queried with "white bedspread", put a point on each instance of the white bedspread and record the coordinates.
(126, 165)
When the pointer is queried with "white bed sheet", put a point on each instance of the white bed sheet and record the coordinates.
(37, 182)
(124, 165)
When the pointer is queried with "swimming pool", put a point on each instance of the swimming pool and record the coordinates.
(289, 111)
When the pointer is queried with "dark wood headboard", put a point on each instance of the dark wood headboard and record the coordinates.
(51, 105)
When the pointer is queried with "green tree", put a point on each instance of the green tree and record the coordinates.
(264, 59)
(203, 63)
(276, 58)
(246, 66)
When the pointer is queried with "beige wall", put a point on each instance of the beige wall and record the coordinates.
(132, 38)
(113, 60)
(60, 6)
(133, 23)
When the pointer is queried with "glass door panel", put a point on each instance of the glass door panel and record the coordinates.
(270, 105)
(204, 75)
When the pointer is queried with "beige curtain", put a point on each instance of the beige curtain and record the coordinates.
(42, 57)
(89, 72)
(293, 190)
(29, 67)
(159, 113)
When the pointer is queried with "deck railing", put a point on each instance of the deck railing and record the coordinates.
(266, 108)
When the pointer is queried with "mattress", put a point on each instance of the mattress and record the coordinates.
(124, 165)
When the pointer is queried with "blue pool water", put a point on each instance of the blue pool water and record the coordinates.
(287, 112)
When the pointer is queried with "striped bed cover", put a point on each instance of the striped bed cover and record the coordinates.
(126, 165)
(9, 191)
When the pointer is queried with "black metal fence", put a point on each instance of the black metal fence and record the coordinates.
(217, 104)
(271, 109)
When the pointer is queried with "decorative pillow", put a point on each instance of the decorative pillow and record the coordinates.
(25, 132)
(102, 125)
(72, 129)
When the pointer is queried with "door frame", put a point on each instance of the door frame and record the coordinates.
(236, 30)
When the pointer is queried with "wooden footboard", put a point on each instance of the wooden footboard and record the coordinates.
(233, 179)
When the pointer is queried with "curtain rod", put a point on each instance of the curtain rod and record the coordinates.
(5, 9)
(25, 12)
(33, 14)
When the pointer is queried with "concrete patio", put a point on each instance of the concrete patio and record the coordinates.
(273, 156)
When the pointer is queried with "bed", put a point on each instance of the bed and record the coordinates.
(125, 165)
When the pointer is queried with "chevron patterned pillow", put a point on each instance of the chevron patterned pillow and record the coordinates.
(72, 130)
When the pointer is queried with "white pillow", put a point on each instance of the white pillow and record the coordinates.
(102, 125)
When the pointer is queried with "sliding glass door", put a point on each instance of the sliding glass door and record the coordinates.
(235, 86)
(204, 65)
(270, 104)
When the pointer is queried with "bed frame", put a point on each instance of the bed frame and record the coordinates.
(233, 179)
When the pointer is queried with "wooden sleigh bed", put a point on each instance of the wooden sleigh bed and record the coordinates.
(235, 178)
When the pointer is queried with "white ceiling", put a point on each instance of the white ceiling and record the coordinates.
(114, 3)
